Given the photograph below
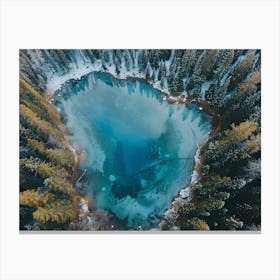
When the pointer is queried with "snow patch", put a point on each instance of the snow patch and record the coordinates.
(56, 81)
(185, 192)
(195, 176)
(204, 87)
(83, 205)
(82, 67)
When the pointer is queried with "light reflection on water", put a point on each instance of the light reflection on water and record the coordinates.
(139, 149)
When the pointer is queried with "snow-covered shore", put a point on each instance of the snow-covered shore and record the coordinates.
(77, 71)
(184, 195)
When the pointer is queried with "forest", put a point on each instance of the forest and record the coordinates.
(225, 83)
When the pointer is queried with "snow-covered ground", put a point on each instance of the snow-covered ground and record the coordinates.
(81, 68)
(55, 82)
(195, 175)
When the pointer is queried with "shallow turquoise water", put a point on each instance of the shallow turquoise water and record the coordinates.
(139, 149)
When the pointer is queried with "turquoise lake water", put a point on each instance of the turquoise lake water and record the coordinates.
(139, 149)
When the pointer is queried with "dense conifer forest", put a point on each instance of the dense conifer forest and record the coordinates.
(226, 84)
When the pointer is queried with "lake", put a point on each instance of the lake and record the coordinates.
(139, 150)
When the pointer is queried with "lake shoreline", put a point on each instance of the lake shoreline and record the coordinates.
(203, 106)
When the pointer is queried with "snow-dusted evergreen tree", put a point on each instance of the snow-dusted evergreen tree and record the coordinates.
(196, 75)
(143, 59)
(245, 103)
(237, 54)
(154, 59)
(224, 62)
(128, 62)
(105, 56)
(148, 71)
(89, 54)
(183, 69)
(187, 63)
(208, 63)
(162, 71)
(164, 55)
(175, 83)
(117, 58)
(154, 75)
(97, 53)
(217, 95)
(256, 62)
(133, 58)
(241, 70)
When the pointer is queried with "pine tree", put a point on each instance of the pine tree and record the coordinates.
(127, 60)
(162, 71)
(211, 186)
(47, 170)
(27, 70)
(173, 67)
(143, 60)
(43, 127)
(194, 224)
(31, 163)
(233, 223)
(97, 53)
(59, 211)
(117, 70)
(148, 72)
(35, 198)
(154, 58)
(217, 97)
(224, 61)
(61, 157)
(89, 54)
(245, 104)
(164, 55)
(36, 145)
(58, 183)
(212, 204)
(105, 55)
(55, 61)
(241, 71)
(133, 57)
(63, 59)
(154, 76)
(233, 146)
(196, 75)
(42, 107)
(208, 64)
(239, 133)
(187, 63)
(117, 60)
(237, 184)
(249, 86)
(256, 65)
(253, 170)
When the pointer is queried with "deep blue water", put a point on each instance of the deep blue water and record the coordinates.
(139, 149)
